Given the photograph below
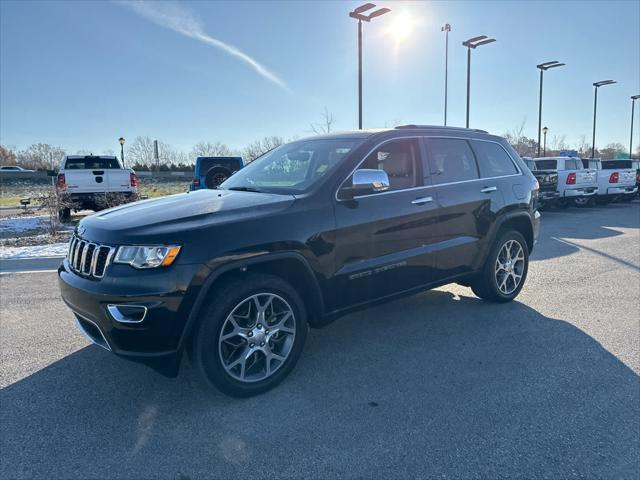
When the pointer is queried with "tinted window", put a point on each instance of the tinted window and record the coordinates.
(399, 159)
(493, 161)
(451, 160)
(91, 163)
(546, 164)
(616, 164)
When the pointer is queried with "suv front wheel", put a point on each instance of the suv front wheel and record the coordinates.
(250, 336)
(505, 269)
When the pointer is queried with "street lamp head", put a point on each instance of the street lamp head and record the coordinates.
(121, 140)
(446, 28)
(364, 8)
(635, 97)
(477, 41)
(548, 65)
(357, 13)
(379, 12)
(604, 82)
(545, 130)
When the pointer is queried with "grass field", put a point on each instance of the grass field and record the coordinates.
(12, 192)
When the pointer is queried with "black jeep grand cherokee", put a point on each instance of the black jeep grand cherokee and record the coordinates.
(301, 235)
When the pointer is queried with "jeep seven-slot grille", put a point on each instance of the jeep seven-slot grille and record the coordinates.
(89, 259)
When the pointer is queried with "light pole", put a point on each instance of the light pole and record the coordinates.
(633, 104)
(357, 14)
(595, 107)
(121, 141)
(446, 29)
(474, 43)
(544, 130)
(544, 67)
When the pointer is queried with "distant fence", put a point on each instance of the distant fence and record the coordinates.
(43, 176)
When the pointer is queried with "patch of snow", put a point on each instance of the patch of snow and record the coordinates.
(22, 224)
(50, 250)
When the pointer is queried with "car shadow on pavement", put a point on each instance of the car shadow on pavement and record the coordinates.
(588, 223)
(435, 385)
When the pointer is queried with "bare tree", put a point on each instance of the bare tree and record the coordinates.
(208, 149)
(259, 147)
(325, 125)
(141, 151)
(7, 156)
(40, 156)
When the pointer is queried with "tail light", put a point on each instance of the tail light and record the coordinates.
(196, 183)
(638, 178)
(571, 178)
(61, 183)
(133, 179)
(614, 177)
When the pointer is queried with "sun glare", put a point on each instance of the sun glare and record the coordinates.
(402, 26)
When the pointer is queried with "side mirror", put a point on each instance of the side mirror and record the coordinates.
(366, 182)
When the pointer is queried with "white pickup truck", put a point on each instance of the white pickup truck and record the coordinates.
(94, 182)
(576, 184)
(616, 179)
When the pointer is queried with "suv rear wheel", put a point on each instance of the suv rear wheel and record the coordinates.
(250, 336)
(505, 269)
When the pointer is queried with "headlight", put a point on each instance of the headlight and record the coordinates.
(147, 257)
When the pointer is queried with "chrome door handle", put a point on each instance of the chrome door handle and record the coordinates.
(422, 200)
(489, 189)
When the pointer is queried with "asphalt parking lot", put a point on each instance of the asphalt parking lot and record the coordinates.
(436, 385)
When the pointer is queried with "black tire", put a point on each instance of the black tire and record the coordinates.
(206, 352)
(485, 284)
(215, 176)
(563, 203)
(64, 215)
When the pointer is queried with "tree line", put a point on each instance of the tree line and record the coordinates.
(140, 155)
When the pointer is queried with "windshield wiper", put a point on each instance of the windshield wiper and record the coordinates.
(245, 189)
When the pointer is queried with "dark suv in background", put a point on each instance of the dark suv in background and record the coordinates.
(305, 233)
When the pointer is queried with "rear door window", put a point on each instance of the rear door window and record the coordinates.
(451, 160)
(493, 160)
(616, 164)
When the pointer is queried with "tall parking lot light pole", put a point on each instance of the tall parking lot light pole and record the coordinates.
(544, 67)
(357, 14)
(474, 43)
(446, 29)
(597, 85)
(544, 130)
(121, 141)
(633, 104)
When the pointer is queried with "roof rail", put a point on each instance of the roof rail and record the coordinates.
(440, 127)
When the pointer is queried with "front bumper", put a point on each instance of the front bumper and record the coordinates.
(166, 295)
(580, 192)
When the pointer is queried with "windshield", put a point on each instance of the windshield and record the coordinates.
(291, 168)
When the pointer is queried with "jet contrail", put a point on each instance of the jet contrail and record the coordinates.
(176, 18)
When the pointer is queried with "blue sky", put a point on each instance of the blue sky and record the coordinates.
(81, 74)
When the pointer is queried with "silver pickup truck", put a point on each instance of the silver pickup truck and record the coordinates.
(616, 179)
(576, 184)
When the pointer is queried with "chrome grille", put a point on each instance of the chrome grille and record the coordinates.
(89, 259)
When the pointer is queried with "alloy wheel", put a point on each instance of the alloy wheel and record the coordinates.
(257, 337)
(509, 267)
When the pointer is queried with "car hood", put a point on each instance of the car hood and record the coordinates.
(169, 219)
